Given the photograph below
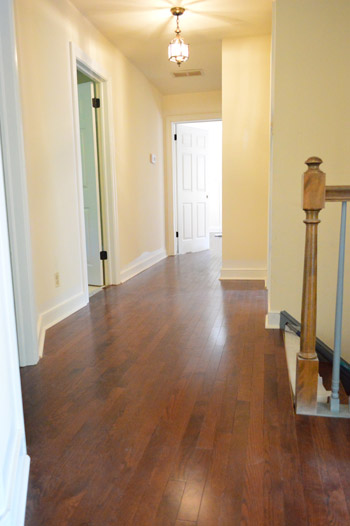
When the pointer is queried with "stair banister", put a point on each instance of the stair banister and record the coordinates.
(334, 400)
(314, 195)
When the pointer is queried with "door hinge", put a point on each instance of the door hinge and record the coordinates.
(103, 255)
(177, 234)
(175, 136)
(96, 102)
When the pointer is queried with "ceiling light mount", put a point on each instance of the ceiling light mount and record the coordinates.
(177, 50)
(177, 11)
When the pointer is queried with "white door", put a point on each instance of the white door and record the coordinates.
(14, 462)
(89, 159)
(192, 188)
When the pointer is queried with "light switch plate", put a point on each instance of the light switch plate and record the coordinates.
(153, 158)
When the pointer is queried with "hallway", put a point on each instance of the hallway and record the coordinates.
(166, 402)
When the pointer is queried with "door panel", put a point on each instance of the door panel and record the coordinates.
(201, 175)
(201, 220)
(187, 172)
(191, 157)
(187, 221)
(89, 159)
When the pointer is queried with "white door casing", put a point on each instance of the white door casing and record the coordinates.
(192, 183)
(14, 461)
(89, 159)
(16, 190)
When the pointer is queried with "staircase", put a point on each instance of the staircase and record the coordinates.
(308, 397)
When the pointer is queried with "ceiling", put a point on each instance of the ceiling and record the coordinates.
(142, 31)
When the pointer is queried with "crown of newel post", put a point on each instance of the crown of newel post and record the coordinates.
(314, 185)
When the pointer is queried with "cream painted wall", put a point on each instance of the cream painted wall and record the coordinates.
(192, 103)
(311, 117)
(44, 30)
(181, 108)
(246, 117)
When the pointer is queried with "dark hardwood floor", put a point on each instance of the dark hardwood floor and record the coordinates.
(166, 402)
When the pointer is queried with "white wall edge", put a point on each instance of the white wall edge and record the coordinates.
(20, 497)
(272, 320)
(15, 179)
(243, 273)
(145, 261)
(58, 313)
(17, 484)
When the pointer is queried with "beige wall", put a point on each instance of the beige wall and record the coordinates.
(44, 30)
(192, 103)
(179, 108)
(246, 117)
(311, 117)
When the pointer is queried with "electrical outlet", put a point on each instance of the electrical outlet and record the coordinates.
(57, 279)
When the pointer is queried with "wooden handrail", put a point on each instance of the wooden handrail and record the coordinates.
(337, 193)
(314, 197)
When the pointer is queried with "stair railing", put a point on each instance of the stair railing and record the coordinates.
(315, 196)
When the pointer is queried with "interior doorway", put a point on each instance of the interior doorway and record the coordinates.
(198, 185)
(89, 119)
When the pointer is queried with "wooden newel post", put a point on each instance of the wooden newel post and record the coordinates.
(314, 196)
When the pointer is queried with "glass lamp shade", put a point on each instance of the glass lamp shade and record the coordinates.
(178, 51)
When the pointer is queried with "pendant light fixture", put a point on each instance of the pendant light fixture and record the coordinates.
(177, 50)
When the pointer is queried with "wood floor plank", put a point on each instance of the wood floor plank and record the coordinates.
(170, 503)
(165, 402)
(231, 510)
(273, 489)
(196, 475)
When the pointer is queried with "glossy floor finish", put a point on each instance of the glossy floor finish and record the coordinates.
(166, 402)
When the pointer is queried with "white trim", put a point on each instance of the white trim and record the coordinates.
(17, 482)
(20, 494)
(13, 455)
(146, 260)
(14, 512)
(16, 190)
(81, 60)
(243, 273)
(14, 461)
(272, 320)
(56, 314)
(170, 167)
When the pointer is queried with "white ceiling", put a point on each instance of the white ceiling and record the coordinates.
(142, 31)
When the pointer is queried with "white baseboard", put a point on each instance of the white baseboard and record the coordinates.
(56, 314)
(142, 263)
(244, 273)
(272, 320)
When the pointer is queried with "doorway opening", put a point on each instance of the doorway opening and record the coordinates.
(197, 176)
(90, 136)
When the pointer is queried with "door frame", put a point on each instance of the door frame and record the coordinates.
(171, 168)
(108, 181)
(15, 180)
